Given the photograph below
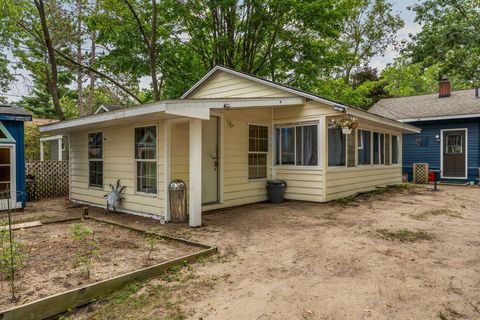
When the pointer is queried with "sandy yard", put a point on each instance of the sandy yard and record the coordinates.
(50, 255)
(404, 254)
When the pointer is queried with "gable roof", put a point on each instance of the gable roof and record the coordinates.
(460, 104)
(307, 95)
(108, 107)
(17, 112)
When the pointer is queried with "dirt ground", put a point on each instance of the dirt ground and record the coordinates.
(51, 255)
(403, 254)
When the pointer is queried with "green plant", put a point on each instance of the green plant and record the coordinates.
(151, 242)
(406, 235)
(12, 258)
(87, 250)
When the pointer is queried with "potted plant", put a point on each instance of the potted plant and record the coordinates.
(347, 124)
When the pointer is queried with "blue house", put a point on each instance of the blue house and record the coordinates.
(12, 155)
(450, 137)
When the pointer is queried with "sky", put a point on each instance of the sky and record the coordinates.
(23, 84)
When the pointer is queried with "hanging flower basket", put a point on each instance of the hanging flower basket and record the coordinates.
(347, 124)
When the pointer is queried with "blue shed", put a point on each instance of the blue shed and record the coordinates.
(450, 137)
(12, 152)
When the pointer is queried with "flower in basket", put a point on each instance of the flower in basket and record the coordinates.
(347, 124)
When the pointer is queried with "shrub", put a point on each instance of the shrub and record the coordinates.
(87, 250)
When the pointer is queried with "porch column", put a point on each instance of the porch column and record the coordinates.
(60, 153)
(195, 173)
(41, 150)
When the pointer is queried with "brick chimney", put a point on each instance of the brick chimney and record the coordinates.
(444, 87)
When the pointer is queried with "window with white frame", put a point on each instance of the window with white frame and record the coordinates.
(337, 145)
(297, 145)
(364, 157)
(95, 159)
(146, 159)
(378, 148)
(257, 151)
(395, 149)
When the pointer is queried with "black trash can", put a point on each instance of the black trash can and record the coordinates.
(276, 190)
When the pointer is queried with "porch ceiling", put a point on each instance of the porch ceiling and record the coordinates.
(189, 108)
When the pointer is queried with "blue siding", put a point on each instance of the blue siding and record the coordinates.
(16, 129)
(430, 152)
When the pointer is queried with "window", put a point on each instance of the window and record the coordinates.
(378, 148)
(146, 159)
(395, 149)
(95, 159)
(297, 145)
(364, 153)
(360, 140)
(454, 144)
(336, 147)
(257, 151)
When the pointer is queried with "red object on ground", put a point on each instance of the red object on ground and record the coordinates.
(431, 176)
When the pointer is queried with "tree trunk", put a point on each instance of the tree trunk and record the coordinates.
(91, 89)
(51, 59)
(81, 107)
(153, 53)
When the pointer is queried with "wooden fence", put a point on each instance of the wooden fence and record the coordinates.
(46, 179)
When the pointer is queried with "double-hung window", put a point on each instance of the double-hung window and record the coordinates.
(146, 159)
(95, 159)
(296, 145)
(257, 151)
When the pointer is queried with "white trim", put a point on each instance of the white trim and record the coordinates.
(101, 107)
(196, 108)
(306, 95)
(136, 213)
(166, 153)
(466, 153)
(135, 161)
(57, 137)
(221, 118)
(461, 116)
(13, 171)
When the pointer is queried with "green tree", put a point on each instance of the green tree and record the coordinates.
(450, 37)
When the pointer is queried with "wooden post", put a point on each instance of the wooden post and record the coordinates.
(41, 150)
(84, 212)
(195, 173)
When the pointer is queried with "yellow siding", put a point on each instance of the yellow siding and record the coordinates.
(225, 85)
(118, 164)
(302, 184)
(179, 151)
(343, 182)
(308, 111)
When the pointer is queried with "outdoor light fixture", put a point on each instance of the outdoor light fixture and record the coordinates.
(226, 106)
(437, 137)
(339, 108)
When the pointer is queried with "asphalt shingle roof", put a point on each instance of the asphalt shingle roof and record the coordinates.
(13, 110)
(460, 102)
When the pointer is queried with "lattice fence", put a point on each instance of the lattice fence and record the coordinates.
(420, 173)
(46, 179)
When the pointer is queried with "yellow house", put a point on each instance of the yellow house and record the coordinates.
(225, 137)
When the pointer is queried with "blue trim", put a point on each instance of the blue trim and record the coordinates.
(15, 117)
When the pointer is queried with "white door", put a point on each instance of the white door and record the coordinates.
(210, 160)
(7, 178)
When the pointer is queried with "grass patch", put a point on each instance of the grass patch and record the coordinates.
(405, 235)
(445, 212)
(378, 191)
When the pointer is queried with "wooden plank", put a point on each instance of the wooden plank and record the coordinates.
(23, 225)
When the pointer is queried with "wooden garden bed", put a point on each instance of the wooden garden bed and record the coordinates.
(122, 257)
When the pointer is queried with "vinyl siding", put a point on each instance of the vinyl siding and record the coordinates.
(225, 85)
(431, 152)
(349, 181)
(118, 164)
